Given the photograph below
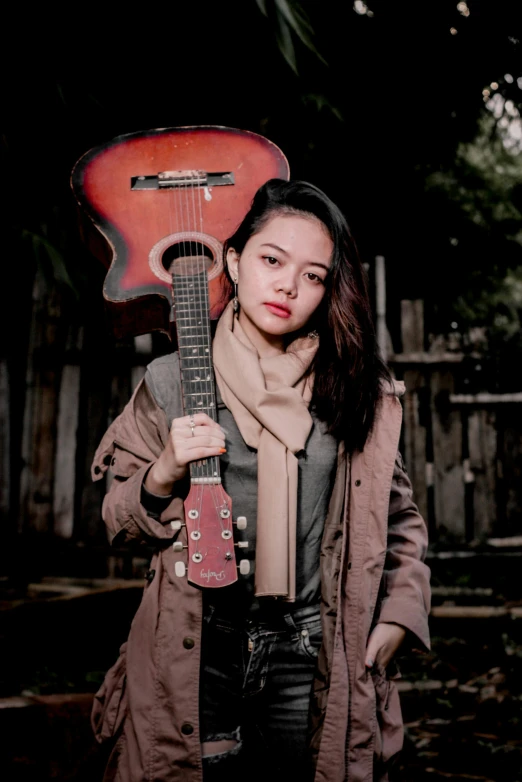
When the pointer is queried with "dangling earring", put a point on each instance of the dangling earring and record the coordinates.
(235, 302)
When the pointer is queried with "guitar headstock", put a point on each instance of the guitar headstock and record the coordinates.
(210, 537)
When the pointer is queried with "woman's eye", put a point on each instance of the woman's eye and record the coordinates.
(313, 277)
(270, 260)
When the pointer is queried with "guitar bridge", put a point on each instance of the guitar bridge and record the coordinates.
(180, 179)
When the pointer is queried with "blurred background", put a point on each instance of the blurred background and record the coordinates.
(408, 115)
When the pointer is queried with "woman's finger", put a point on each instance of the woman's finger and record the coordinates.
(205, 431)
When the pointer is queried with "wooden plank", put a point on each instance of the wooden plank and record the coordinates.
(39, 432)
(510, 468)
(415, 440)
(412, 338)
(446, 357)
(380, 306)
(65, 462)
(485, 398)
(5, 446)
(447, 459)
(143, 354)
(482, 442)
(412, 326)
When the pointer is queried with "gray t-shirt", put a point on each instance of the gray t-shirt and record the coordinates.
(239, 476)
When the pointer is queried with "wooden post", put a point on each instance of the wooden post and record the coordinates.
(412, 336)
(482, 438)
(447, 456)
(380, 299)
(5, 446)
(66, 440)
(39, 430)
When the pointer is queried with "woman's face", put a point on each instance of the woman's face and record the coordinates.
(280, 276)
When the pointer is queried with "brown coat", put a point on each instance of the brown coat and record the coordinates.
(372, 570)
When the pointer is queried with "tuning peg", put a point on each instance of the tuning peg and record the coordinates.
(244, 567)
(241, 544)
(241, 522)
(178, 546)
(179, 569)
(176, 525)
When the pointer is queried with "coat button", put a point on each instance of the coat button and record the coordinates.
(107, 458)
(189, 643)
(97, 469)
(357, 482)
(187, 729)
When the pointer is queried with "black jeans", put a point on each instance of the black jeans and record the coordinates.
(256, 682)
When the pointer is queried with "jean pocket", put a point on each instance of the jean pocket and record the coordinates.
(311, 637)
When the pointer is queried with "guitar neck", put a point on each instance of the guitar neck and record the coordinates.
(192, 309)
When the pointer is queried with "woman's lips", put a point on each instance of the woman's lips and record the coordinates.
(276, 309)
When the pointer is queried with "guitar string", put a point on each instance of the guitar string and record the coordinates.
(213, 462)
(203, 301)
(207, 363)
(191, 295)
(200, 308)
(202, 285)
(218, 494)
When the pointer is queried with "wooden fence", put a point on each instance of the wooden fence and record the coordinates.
(463, 452)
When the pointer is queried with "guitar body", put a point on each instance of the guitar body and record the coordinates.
(149, 193)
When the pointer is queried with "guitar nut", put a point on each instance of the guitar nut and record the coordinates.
(224, 513)
(195, 534)
(193, 514)
(226, 534)
(197, 557)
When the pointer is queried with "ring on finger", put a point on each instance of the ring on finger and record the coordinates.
(192, 425)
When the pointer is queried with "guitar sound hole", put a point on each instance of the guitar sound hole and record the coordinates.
(188, 257)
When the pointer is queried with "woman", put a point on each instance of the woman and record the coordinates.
(288, 670)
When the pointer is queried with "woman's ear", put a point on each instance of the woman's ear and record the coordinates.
(232, 262)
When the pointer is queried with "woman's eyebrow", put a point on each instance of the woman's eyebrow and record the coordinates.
(274, 247)
(281, 250)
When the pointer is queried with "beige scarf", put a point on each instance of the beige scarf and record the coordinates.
(268, 398)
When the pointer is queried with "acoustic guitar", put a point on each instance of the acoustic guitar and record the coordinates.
(164, 201)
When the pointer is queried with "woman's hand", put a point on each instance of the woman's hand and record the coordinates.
(186, 444)
(383, 643)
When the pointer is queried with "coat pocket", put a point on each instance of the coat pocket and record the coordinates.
(110, 702)
(389, 735)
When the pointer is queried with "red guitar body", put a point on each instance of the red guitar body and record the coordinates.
(123, 186)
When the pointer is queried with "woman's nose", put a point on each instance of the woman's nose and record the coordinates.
(287, 284)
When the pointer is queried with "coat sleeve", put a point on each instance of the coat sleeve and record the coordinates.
(406, 583)
(130, 446)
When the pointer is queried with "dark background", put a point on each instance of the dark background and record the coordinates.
(372, 114)
(384, 108)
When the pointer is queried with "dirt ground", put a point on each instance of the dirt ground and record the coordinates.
(461, 702)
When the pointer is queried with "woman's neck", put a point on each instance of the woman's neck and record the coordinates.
(267, 345)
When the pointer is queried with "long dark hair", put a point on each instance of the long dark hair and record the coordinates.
(348, 369)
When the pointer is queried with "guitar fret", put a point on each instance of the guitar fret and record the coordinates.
(191, 306)
(193, 364)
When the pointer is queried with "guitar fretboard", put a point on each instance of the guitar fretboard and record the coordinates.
(191, 303)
